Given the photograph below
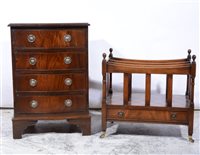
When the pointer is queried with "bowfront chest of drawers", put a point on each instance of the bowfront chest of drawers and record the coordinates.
(50, 74)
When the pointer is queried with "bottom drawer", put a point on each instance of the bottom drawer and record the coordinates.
(50, 104)
(160, 116)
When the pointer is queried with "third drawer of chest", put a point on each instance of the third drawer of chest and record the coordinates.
(51, 82)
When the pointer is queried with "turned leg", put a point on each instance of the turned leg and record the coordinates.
(19, 127)
(83, 123)
(191, 111)
(104, 124)
(103, 109)
(190, 125)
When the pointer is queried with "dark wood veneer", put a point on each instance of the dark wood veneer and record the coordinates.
(49, 54)
(51, 82)
(51, 104)
(50, 38)
(51, 61)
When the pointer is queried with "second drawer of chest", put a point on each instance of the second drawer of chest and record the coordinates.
(51, 82)
(53, 61)
(50, 104)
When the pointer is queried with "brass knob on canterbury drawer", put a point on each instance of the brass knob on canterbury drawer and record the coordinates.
(68, 81)
(32, 61)
(33, 82)
(120, 114)
(31, 38)
(33, 104)
(68, 103)
(67, 37)
(173, 116)
(67, 60)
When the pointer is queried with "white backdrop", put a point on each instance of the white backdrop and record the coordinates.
(142, 29)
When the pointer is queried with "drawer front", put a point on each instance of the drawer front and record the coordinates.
(147, 115)
(53, 61)
(36, 38)
(50, 104)
(51, 82)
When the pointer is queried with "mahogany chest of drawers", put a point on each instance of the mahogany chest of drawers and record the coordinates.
(50, 74)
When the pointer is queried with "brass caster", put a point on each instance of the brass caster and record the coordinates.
(190, 139)
(103, 135)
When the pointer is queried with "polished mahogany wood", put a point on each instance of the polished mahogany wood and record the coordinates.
(21, 123)
(147, 106)
(142, 115)
(157, 100)
(50, 74)
(51, 104)
(169, 90)
(51, 60)
(50, 38)
(51, 82)
(145, 68)
(148, 90)
(47, 25)
(126, 89)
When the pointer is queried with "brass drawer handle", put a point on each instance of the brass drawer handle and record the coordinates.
(173, 116)
(68, 81)
(33, 82)
(34, 104)
(120, 114)
(31, 38)
(68, 103)
(67, 60)
(67, 37)
(32, 61)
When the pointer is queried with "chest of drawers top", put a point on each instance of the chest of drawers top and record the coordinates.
(71, 35)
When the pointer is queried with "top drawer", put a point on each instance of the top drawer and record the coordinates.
(42, 38)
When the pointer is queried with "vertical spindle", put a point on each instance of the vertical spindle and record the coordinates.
(169, 90)
(148, 90)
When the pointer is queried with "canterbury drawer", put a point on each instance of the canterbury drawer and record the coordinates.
(147, 115)
(50, 82)
(36, 38)
(58, 60)
(50, 104)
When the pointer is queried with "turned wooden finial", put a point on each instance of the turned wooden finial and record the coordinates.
(104, 56)
(193, 58)
(189, 55)
(110, 55)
